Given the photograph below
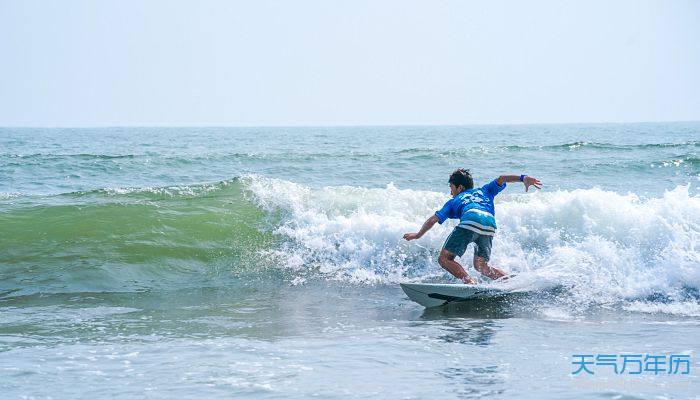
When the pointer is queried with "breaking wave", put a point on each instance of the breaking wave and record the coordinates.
(603, 247)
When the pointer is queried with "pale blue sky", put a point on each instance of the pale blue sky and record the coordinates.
(230, 63)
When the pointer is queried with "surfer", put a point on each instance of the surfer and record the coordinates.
(475, 210)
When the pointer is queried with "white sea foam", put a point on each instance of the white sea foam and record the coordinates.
(604, 244)
(168, 191)
(8, 195)
(687, 308)
(600, 245)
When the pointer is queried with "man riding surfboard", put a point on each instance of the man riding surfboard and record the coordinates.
(476, 212)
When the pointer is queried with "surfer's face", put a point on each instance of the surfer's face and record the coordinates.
(455, 190)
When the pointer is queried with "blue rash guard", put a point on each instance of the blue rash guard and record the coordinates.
(474, 208)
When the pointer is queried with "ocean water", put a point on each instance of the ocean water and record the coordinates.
(265, 262)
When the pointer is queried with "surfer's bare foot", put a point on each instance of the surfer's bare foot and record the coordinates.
(469, 280)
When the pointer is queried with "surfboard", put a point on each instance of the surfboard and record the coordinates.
(439, 294)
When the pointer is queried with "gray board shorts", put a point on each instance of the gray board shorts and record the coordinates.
(460, 238)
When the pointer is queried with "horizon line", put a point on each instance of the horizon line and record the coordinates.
(343, 125)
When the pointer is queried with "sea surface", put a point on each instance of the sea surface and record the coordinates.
(264, 263)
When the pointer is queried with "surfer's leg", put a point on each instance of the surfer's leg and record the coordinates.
(447, 261)
(481, 265)
(455, 245)
(482, 253)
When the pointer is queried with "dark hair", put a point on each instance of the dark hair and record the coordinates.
(462, 177)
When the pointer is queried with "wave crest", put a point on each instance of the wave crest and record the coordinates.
(603, 246)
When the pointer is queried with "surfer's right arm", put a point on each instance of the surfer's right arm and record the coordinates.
(425, 228)
(447, 211)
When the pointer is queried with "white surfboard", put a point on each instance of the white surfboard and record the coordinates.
(438, 294)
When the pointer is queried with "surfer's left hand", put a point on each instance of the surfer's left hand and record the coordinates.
(530, 181)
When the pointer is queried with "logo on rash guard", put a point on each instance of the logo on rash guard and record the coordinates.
(476, 196)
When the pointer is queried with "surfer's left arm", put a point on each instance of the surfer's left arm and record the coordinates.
(527, 180)
(425, 228)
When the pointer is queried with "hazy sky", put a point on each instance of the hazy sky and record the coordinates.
(231, 63)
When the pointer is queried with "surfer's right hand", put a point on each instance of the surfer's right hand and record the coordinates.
(411, 236)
